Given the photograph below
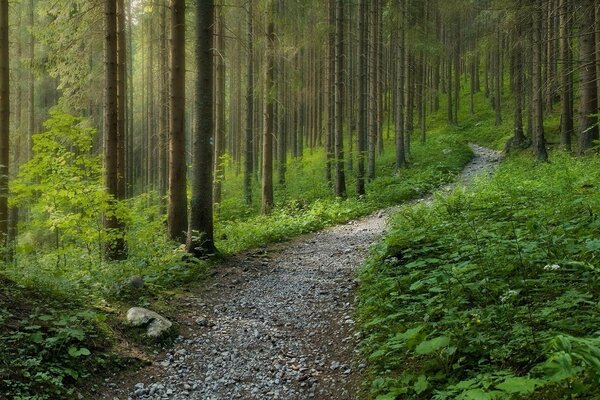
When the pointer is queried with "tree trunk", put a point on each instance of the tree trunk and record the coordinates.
(566, 98)
(220, 109)
(268, 132)
(363, 96)
(177, 205)
(200, 240)
(31, 81)
(399, 37)
(115, 246)
(519, 136)
(249, 133)
(163, 126)
(4, 120)
(331, 88)
(538, 100)
(121, 98)
(588, 130)
(372, 82)
(340, 177)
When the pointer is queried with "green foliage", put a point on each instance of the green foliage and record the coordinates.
(60, 245)
(306, 203)
(46, 343)
(61, 186)
(492, 292)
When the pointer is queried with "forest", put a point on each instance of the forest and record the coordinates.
(299, 199)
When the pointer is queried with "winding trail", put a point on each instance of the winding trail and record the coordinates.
(274, 323)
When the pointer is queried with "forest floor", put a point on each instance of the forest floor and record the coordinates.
(274, 323)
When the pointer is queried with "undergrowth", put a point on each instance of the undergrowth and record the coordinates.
(49, 345)
(491, 293)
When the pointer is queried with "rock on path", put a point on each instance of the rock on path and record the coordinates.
(275, 323)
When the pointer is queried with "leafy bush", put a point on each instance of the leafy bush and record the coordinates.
(492, 292)
(61, 187)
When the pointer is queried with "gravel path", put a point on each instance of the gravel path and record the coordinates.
(274, 323)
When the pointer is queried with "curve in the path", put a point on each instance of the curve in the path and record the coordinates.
(274, 324)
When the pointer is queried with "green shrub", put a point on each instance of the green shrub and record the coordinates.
(492, 292)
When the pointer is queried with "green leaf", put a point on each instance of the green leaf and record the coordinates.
(593, 245)
(75, 352)
(475, 394)
(421, 384)
(429, 346)
(518, 385)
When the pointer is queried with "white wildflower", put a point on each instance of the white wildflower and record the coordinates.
(509, 294)
(552, 267)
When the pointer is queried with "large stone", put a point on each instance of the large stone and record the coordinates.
(157, 324)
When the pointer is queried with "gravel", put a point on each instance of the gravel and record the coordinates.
(275, 323)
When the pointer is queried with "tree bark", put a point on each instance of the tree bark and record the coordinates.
(363, 96)
(249, 132)
(113, 223)
(177, 205)
(219, 108)
(588, 130)
(566, 119)
(538, 97)
(268, 131)
(4, 120)
(340, 177)
(200, 240)
(399, 37)
(121, 98)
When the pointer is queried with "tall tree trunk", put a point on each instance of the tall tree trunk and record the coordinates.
(219, 108)
(519, 136)
(115, 246)
(340, 177)
(372, 83)
(200, 240)
(268, 131)
(121, 98)
(331, 88)
(566, 95)
(498, 82)
(399, 37)
(363, 96)
(31, 81)
(588, 130)
(177, 205)
(4, 120)
(163, 126)
(249, 133)
(538, 98)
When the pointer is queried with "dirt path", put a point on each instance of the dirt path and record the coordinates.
(275, 323)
